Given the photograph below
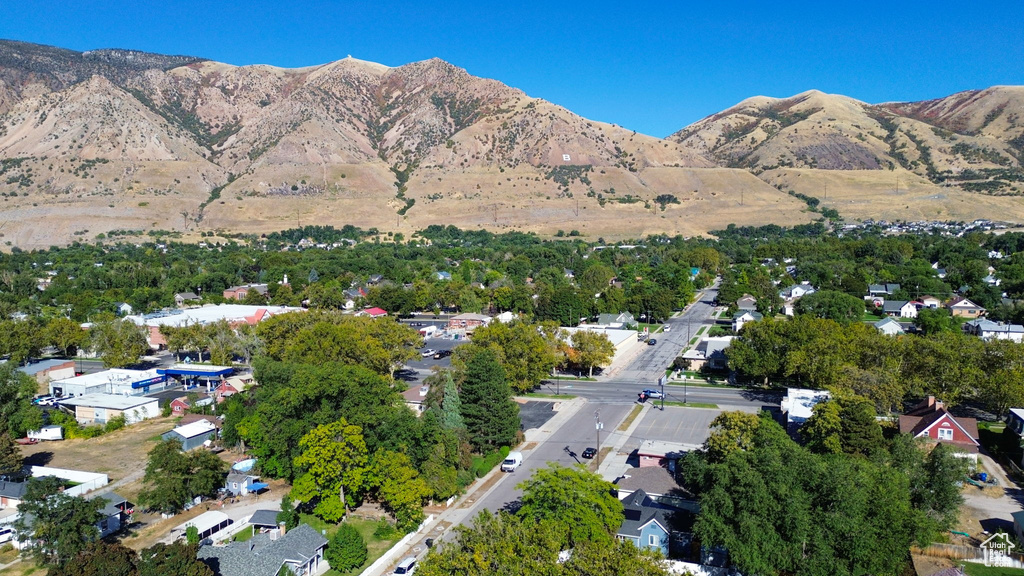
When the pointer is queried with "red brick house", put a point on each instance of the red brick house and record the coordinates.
(930, 420)
(223, 391)
(240, 292)
(181, 404)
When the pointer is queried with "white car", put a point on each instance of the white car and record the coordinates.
(45, 401)
(428, 352)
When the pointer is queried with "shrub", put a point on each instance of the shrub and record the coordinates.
(385, 530)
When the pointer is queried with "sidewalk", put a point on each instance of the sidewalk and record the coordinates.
(614, 464)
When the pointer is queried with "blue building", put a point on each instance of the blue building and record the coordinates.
(646, 524)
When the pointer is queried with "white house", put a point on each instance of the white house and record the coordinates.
(797, 291)
(900, 308)
(798, 405)
(742, 318)
(989, 330)
(889, 327)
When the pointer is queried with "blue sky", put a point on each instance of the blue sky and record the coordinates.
(650, 66)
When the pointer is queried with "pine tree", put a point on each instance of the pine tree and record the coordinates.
(451, 405)
(491, 416)
(10, 455)
(347, 550)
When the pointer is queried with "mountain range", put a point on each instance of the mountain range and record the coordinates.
(118, 142)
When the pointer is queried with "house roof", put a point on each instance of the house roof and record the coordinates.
(961, 302)
(983, 325)
(34, 368)
(416, 394)
(653, 480)
(471, 316)
(264, 518)
(197, 428)
(204, 521)
(799, 403)
(113, 502)
(894, 305)
(884, 322)
(13, 489)
(110, 401)
(190, 418)
(236, 476)
(748, 313)
(639, 511)
(187, 296)
(375, 312)
(919, 424)
(262, 556)
(1018, 517)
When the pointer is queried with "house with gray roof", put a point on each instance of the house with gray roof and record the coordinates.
(646, 523)
(11, 494)
(742, 318)
(889, 327)
(989, 330)
(899, 309)
(882, 290)
(300, 550)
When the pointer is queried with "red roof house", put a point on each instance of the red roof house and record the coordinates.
(223, 391)
(929, 419)
(374, 312)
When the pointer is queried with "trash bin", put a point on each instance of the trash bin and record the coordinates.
(983, 476)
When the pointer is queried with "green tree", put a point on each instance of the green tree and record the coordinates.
(334, 461)
(347, 549)
(580, 499)
(10, 455)
(593, 349)
(192, 535)
(100, 559)
(65, 335)
(288, 514)
(525, 354)
(821, 432)
(56, 527)
(399, 488)
(20, 339)
(860, 433)
(451, 405)
(1002, 387)
(832, 305)
(730, 432)
(174, 477)
(490, 414)
(17, 414)
(119, 342)
(177, 558)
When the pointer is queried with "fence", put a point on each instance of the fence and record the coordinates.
(84, 481)
(970, 554)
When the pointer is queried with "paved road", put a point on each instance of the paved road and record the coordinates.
(578, 433)
(624, 392)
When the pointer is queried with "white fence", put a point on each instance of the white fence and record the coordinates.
(85, 481)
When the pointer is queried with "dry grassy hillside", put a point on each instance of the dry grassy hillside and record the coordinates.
(114, 140)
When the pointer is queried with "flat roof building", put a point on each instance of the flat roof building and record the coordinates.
(101, 408)
(115, 381)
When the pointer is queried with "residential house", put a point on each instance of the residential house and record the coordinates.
(193, 435)
(1015, 421)
(656, 481)
(115, 512)
(989, 330)
(661, 453)
(373, 312)
(352, 297)
(242, 483)
(709, 351)
(797, 291)
(742, 318)
(264, 521)
(123, 308)
(882, 290)
(616, 321)
(746, 303)
(889, 327)
(182, 299)
(415, 398)
(375, 279)
(798, 406)
(443, 276)
(241, 292)
(646, 523)
(299, 552)
(183, 404)
(940, 272)
(964, 308)
(899, 309)
(468, 321)
(991, 279)
(11, 493)
(931, 420)
(224, 391)
(930, 302)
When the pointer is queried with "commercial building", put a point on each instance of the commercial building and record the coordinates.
(101, 408)
(115, 381)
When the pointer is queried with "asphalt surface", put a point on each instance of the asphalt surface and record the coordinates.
(578, 433)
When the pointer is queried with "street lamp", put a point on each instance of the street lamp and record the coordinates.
(598, 425)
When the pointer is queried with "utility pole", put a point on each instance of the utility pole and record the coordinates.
(598, 425)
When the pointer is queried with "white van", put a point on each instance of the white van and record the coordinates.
(406, 567)
(512, 462)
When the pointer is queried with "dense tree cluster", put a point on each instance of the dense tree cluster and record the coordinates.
(857, 359)
(780, 508)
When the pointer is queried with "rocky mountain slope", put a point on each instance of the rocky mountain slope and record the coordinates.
(973, 141)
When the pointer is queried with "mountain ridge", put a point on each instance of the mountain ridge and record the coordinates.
(146, 142)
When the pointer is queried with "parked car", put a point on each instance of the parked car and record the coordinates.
(428, 352)
(589, 453)
(45, 401)
(442, 354)
(652, 342)
(653, 393)
(406, 566)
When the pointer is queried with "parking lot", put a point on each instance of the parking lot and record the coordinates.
(675, 424)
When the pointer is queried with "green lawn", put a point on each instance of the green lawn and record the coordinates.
(972, 569)
(375, 547)
(687, 404)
